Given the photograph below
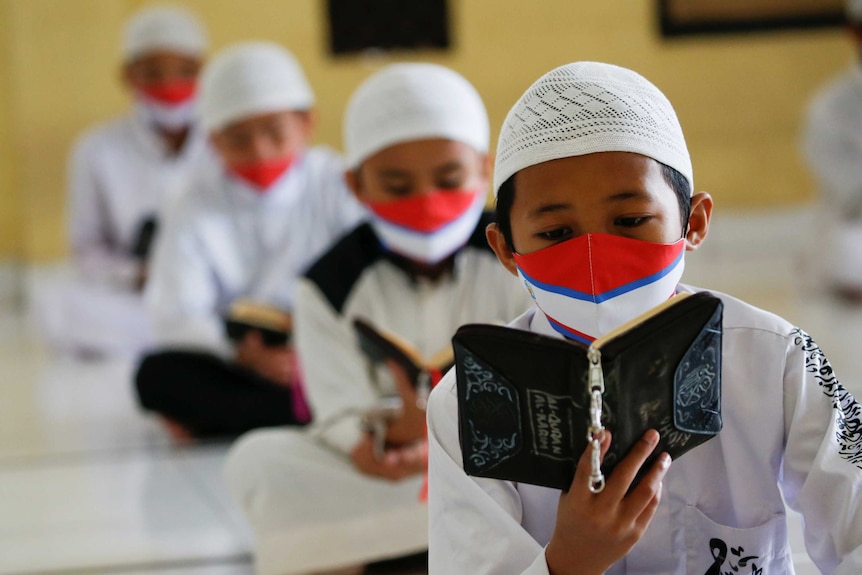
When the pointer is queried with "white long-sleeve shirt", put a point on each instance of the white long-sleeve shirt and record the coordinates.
(120, 174)
(358, 278)
(789, 428)
(222, 240)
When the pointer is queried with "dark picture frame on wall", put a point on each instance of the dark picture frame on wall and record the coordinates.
(356, 26)
(691, 17)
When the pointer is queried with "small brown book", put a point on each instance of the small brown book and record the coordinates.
(274, 325)
(380, 345)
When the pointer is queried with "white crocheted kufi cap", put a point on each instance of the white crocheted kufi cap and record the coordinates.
(589, 107)
(853, 10)
(249, 79)
(408, 102)
(163, 27)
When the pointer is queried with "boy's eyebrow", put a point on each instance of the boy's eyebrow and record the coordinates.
(627, 195)
(561, 207)
(549, 209)
(393, 173)
(452, 166)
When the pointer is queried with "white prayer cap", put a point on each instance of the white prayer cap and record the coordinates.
(853, 10)
(408, 102)
(163, 27)
(248, 79)
(588, 107)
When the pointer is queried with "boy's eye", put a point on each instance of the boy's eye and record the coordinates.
(630, 222)
(449, 184)
(556, 234)
(399, 191)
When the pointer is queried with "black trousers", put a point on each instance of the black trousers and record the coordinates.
(209, 396)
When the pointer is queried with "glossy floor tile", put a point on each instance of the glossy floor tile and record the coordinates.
(88, 484)
(107, 510)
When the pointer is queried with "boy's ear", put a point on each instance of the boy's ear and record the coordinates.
(310, 122)
(501, 248)
(215, 142)
(698, 221)
(125, 73)
(487, 166)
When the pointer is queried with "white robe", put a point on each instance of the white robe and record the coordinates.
(832, 146)
(223, 240)
(789, 428)
(120, 174)
(310, 508)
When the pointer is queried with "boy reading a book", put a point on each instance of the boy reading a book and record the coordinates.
(416, 140)
(592, 160)
(245, 228)
(122, 174)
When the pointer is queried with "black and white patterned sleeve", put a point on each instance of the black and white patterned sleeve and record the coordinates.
(822, 464)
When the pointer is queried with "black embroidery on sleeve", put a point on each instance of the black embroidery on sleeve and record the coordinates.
(848, 411)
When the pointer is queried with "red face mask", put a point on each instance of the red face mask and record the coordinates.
(171, 93)
(425, 213)
(261, 175)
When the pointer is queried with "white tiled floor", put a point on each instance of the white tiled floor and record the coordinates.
(89, 485)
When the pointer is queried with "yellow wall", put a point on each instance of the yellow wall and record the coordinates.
(10, 207)
(740, 98)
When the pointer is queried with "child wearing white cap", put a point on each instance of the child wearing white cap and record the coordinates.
(592, 156)
(416, 141)
(120, 176)
(245, 228)
(832, 144)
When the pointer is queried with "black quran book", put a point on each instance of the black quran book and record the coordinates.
(274, 324)
(144, 239)
(524, 398)
(380, 345)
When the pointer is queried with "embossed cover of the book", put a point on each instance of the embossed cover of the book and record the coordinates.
(523, 398)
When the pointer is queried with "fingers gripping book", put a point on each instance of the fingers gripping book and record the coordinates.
(524, 399)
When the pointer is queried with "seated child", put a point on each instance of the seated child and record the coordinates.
(593, 154)
(122, 173)
(265, 210)
(416, 140)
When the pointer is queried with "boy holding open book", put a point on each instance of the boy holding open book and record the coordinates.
(592, 168)
(243, 231)
(416, 141)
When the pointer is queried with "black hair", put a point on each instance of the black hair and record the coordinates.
(506, 196)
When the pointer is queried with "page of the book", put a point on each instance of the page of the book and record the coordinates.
(274, 325)
(524, 397)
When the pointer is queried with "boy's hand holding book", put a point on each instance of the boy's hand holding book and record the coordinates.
(595, 530)
(394, 445)
(261, 334)
(276, 363)
(529, 407)
(397, 463)
(409, 426)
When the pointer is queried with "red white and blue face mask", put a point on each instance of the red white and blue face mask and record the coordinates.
(170, 106)
(593, 283)
(262, 174)
(429, 227)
